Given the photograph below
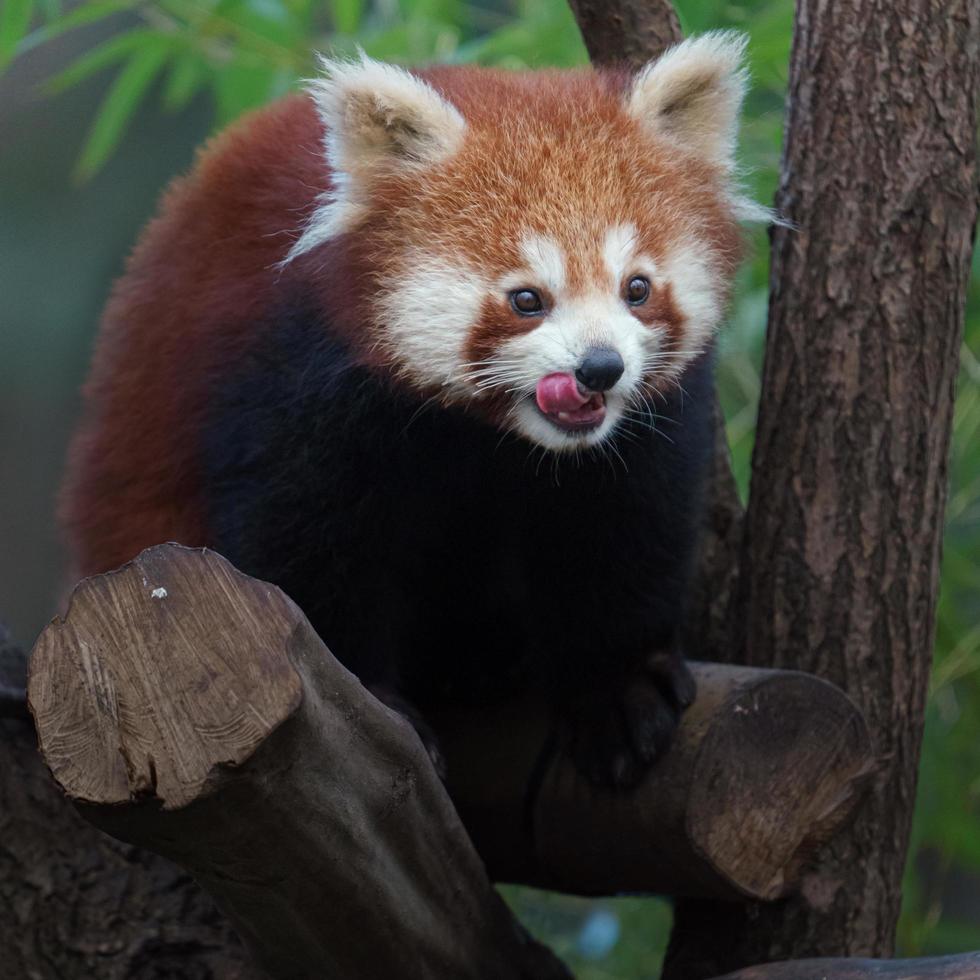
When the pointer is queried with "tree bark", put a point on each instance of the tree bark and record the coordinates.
(965, 966)
(74, 902)
(627, 33)
(190, 709)
(765, 766)
(840, 561)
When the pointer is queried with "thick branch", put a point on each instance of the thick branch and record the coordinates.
(75, 903)
(191, 709)
(766, 765)
(965, 966)
(626, 32)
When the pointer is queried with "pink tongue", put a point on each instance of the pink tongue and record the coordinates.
(559, 393)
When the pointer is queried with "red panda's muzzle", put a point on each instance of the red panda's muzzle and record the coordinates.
(562, 402)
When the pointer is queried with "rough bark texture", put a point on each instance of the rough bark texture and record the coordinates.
(765, 766)
(192, 710)
(965, 966)
(626, 32)
(75, 903)
(840, 562)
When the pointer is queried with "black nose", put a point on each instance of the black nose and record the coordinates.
(600, 369)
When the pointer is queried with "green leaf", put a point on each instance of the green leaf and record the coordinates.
(243, 85)
(15, 18)
(120, 103)
(85, 13)
(116, 48)
(188, 73)
(347, 15)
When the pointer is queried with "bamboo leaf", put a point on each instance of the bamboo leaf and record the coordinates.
(15, 18)
(85, 13)
(115, 49)
(188, 74)
(120, 103)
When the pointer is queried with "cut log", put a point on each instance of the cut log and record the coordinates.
(76, 903)
(192, 710)
(765, 767)
(965, 966)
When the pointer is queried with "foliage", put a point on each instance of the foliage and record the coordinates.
(238, 54)
(243, 53)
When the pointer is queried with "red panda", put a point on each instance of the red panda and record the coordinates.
(431, 350)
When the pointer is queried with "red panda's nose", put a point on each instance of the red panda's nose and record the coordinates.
(600, 369)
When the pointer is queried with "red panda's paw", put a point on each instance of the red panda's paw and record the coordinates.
(615, 737)
(403, 707)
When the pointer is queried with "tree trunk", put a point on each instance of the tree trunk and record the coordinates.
(76, 903)
(840, 560)
(626, 32)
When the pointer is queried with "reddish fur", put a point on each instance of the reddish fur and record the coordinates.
(202, 270)
(206, 270)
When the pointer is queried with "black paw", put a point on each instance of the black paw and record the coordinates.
(413, 716)
(615, 736)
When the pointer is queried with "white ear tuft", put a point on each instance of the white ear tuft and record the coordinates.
(692, 95)
(377, 119)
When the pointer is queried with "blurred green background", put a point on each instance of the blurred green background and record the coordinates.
(102, 101)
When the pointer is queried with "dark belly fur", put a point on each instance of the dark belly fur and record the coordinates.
(431, 554)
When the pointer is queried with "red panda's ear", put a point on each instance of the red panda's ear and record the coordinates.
(377, 119)
(691, 96)
(379, 115)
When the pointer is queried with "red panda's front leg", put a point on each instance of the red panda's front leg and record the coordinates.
(614, 735)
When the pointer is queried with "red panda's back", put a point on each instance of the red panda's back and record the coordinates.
(199, 279)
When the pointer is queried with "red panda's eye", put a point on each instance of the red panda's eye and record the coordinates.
(637, 290)
(527, 302)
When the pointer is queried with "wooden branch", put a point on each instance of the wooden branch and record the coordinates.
(76, 903)
(626, 32)
(193, 711)
(765, 767)
(964, 966)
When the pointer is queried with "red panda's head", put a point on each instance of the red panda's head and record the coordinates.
(548, 248)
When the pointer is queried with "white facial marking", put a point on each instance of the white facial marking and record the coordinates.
(545, 262)
(694, 289)
(427, 315)
(601, 318)
(618, 251)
